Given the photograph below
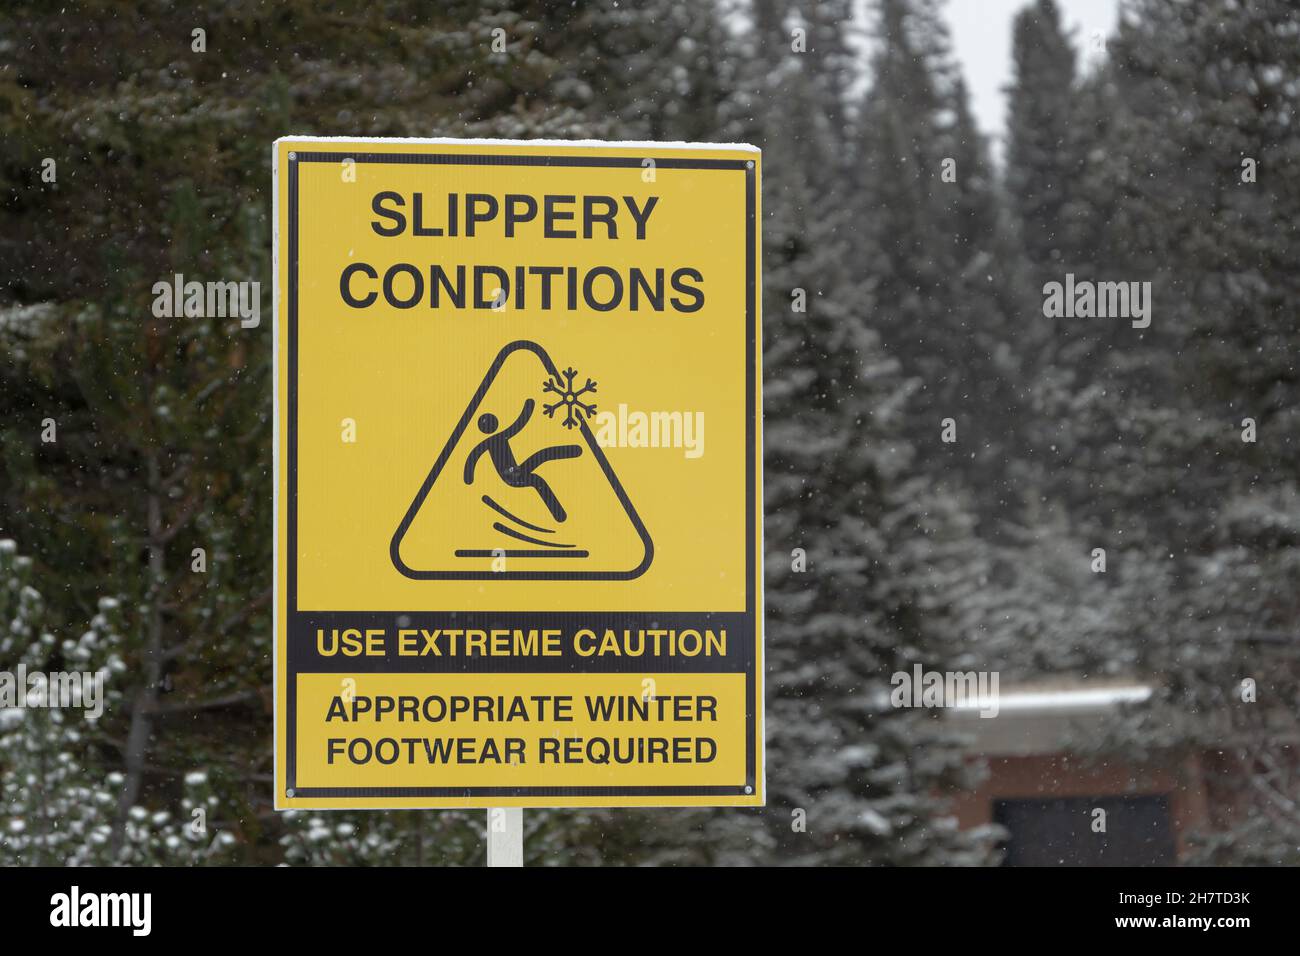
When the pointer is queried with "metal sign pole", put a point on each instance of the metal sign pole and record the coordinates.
(505, 836)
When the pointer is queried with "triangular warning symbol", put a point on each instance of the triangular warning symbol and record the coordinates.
(521, 489)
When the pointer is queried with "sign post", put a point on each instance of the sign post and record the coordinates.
(505, 836)
(518, 476)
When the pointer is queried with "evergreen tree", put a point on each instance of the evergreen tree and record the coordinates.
(1152, 455)
(60, 798)
(1043, 139)
(658, 70)
(1210, 113)
(941, 266)
(852, 531)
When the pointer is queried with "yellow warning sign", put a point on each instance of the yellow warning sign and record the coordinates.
(518, 474)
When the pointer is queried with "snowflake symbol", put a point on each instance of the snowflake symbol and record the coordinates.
(570, 399)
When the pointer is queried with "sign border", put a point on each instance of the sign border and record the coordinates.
(754, 786)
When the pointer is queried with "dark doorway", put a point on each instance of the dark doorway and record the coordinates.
(1059, 832)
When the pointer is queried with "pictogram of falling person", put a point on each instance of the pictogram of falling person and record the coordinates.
(514, 473)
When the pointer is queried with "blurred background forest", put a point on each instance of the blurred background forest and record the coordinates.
(1173, 158)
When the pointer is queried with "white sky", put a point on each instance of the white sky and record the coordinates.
(981, 35)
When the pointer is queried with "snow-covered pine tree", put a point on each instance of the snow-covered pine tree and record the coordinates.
(1057, 614)
(1152, 454)
(852, 529)
(1043, 139)
(1209, 111)
(943, 268)
(60, 795)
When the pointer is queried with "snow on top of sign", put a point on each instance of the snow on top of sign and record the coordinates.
(452, 141)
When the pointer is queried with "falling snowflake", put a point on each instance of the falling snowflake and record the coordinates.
(570, 399)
